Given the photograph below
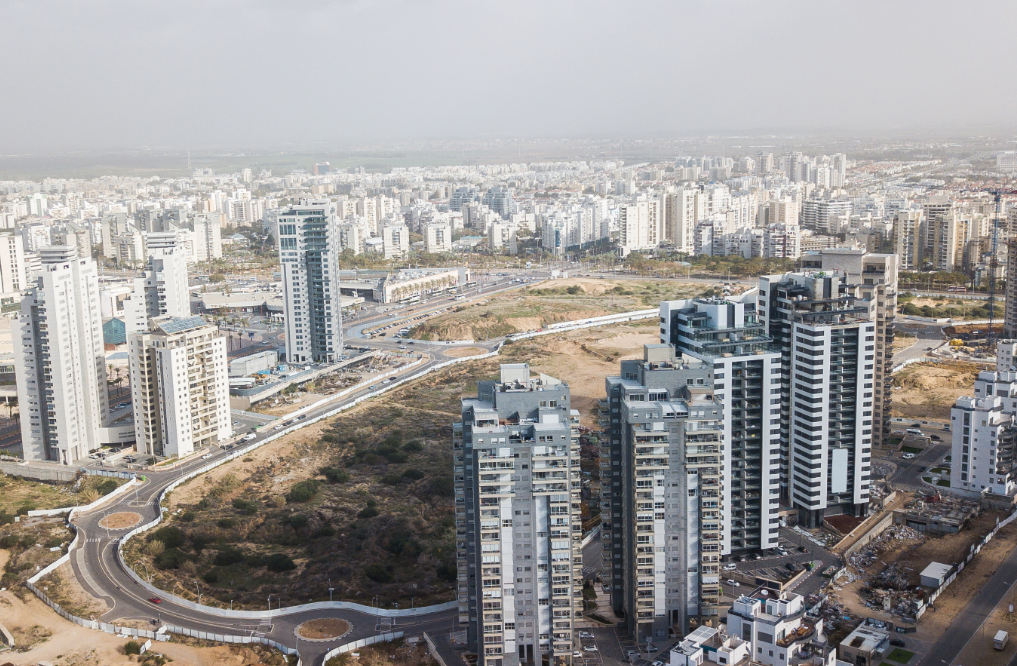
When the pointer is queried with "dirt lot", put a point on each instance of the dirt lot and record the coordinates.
(19, 496)
(121, 520)
(929, 390)
(395, 653)
(49, 637)
(464, 352)
(26, 547)
(63, 588)
(531, 308)
(376, 514)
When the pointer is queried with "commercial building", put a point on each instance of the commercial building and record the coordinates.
(410, 283)
(60, 360)
(826, 334)
(727, 335)
(661, 493)
(517, 481)
(309, 249)
(179, 386)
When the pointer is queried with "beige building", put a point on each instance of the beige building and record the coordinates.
(907, 244)
(180, 386)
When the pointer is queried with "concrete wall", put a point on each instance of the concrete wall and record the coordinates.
(40, 472)
(869, 535)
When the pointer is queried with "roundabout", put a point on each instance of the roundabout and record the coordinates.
(322, 629)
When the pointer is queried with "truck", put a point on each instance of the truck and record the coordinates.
(1000, 640)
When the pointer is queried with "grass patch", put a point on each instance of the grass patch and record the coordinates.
(910, 449)
(900, 656)
(927, 479)
(943, 483)
(18, 496)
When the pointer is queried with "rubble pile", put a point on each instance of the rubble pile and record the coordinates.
(895, 576)
(890, 537)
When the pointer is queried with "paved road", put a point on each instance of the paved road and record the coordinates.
(967, 623)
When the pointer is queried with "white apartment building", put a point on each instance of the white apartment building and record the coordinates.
(640, 224)
(179, 386)
(827, 335)
(13, 275)
(516, 469)
(309, 249)
(438, 237)
(907, 226)
(782, 241)
(207, 237)
(683, 208)
(396, 240)
(776, 631)
(161, 291)
(727, 335)
(59, 360)
(984, 429)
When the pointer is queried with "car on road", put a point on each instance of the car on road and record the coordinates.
(206, 456)
(236, 423)
(934, 438)
(730, 567)
(802, 549)
(278, 427)
(250, 437)
(897, 642)
(651, 648)
(733, 583)
(908, 456)
(302, 417)
(657, 663)
(576, 654)
(155, 600)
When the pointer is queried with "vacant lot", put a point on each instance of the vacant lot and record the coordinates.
(364, 501)
(19, 496)
(26, 547)
(929, 390)
(531, 308)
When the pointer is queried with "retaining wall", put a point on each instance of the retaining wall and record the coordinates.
(88, 507)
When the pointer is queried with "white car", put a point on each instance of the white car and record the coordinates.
(585, 634)
(733, 583)
(730, 567)
(657, 663)
(250, 437)
(908, 456)
(589, 648)
(577, 655)
(206, 456)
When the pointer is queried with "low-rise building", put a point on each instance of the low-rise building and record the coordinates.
(865, 646)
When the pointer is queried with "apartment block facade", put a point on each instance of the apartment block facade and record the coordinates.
(309, 249)
(59, 359)
(727, 335)
(827, 338)
(662, 493)
(179, 386)
(518, 526)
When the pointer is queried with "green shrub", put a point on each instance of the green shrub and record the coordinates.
(247, 507)
(324, 531)
(187, 517)
(106, 487)
(204, 504)
(199, 542)
(132, 647)
(211, 577)
(443, 486)
(334, 474)
(226, 523)
(378, 572)
(29, 540)
(228, 556)
(447, 572)
(9, 541)
(413, 474)
(171, 537)
(171, 558)
(6, 518)
(413, 446)
(280, 562)
(370, 511)
(297, 521)
(303, 491)
(391, 479)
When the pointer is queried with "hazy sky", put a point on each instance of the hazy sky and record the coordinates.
(110, 74)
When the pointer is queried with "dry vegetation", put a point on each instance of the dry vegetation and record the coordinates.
(18, 496)
(396, 653)
(25, 547)
(531, 308)
(929, 390)
(364, 500)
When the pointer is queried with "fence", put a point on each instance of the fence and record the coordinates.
(88, 507)
(363, 642)
(433, 649)
(910, 361)
(589, 323)
(959, 567)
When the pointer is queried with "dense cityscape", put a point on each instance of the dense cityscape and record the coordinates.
(490, 334)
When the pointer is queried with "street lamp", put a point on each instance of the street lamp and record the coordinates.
(377, 613)
(330, 588)
(270, 602)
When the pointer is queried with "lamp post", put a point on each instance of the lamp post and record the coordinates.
(270, 602)
(330, 588)
(377, 613)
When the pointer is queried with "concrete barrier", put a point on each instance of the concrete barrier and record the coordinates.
(88, 507)
(6, 636)
(363, 642)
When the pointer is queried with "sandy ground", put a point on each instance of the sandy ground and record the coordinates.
(464, 352)
(286, 407)
(71, 645)
(929, 390)
(585, 370)
(121, 520)
(979, 649)
(63, 587)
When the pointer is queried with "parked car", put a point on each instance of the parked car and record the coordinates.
(733, 583)
(730, 567)
(576, 654)
(897, 642)
(206, 456)
(250, 437)
(589, 648)
(908, 456)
